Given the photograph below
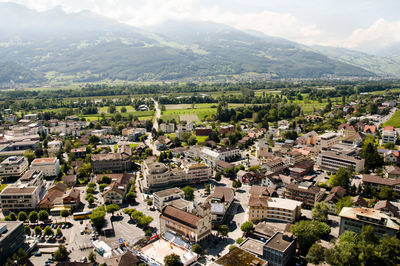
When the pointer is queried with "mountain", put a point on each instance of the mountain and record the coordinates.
(55, 46)
(377, 64)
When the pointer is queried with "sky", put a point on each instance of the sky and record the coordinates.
(344, 23)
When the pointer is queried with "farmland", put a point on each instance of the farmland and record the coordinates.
(202, 110)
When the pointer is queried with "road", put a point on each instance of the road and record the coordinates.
(386, 117)
(149, 141)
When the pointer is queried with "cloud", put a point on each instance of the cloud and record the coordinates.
(381, 33)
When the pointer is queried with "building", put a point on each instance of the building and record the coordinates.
(327, 140)
(188, 226)
(305, 193)
(54, 193)
(163, 197)
(353, 219)
(262, 148)
(295, 157)
(336, 194)
(389, 135)
(388, 208)
(376, 182)
(221, 166)
(167, 127)
(13, 167)
(111, 162)
(19, 197)
(124, 259)
(79, 152)
(116, 191)
(203, 131)
(226, 129)
(12, 236)
(228, 153)
(332, 161)
(275, 166)
(273, 209)
(69, 180)
(156, 175)
(278, 250)
(72, 198)
(221, 201)
(49, 166)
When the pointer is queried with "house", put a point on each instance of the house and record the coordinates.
(72, 198)
(54, 192)
(388, 208)
(124, 259)
(247, 177)
(308, 139)
(262, 148)
(392, 171)
(69, 180)
(188, 226)
(268, 181)
(369, 129)
(221, 200)
(359, 201)
(49, 166)
(377, 182)
(354, 219)
(163, 143)
(116, 191)
(201, 131)
(336, 194)
(305, 193)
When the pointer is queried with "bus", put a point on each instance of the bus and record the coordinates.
(81, 215)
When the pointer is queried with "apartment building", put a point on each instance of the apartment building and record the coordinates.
(163, 197)
(275, 166)
(262, 148)
(167, 127)
(13, 166)
(221, 200)
(49, 166)
(278, 250)
(275, 209)
(111, 162)
(295, 157)
(12, 236)
(389, 135)
(327, 140)
(377, 182)
(188, 226)
(157, 175)
(353, 219)
(21, 197)
(332, 161)
(304, 192)
(32, 178)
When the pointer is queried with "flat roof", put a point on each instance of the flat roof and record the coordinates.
(254, 246)
(279, 242)
(375, 216)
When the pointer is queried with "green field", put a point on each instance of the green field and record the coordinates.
(201, 110)
(141, 115)
(104, 109)
(394, 120)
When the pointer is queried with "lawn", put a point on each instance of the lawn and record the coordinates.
(201, 110)
(104, 109)
(394, 120)
(2, 186)
(142, 115)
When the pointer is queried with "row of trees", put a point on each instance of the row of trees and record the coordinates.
(33, 216)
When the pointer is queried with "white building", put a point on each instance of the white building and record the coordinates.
(49, 166)
(167, 127)
(327, 140)
(13, 167)
(333, 161)
(389, 135)
(163, 197)
(19, 197)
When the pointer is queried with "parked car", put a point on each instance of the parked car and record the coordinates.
(38, 254)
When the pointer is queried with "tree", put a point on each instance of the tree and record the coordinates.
(65, 214)
(90, 199)
(149, 202)
(22, 216)
(247, 227)
(94, 140)
(27, 230)
(37, 230)
(370, 153)
(30, 155)
(102, 187)
(13, 216)
(344, 202)
(172, 260)
(308, 232)
(315, 254)
(111, 208)
(144, 221)
(111, 109)
(105, 179)
(342, 178)
(207, 188)
(92, 257)
(223, 230)
(97, 217)
(43, 215)
(48, 231)
(59, 232)
(189, 193)
(123, 109)
(320, 211)
(61, 254)
(192, 140)
(196, 248)
(386, 193)
(236, 183)
(90, 190)
(239, 240)
(130, 197)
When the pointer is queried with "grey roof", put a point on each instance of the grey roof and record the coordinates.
(217, 208)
